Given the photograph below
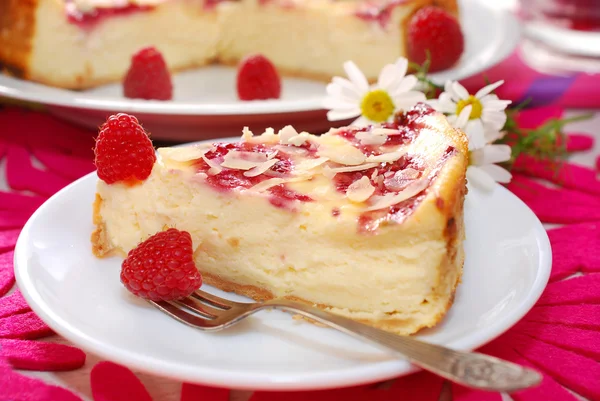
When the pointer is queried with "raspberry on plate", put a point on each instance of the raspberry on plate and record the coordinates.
(123, 151)
(434, 30)
(148, 76)
(162, 267)
(258, 79)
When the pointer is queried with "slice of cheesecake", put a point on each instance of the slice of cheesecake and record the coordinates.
(364, 222)
(81, 44)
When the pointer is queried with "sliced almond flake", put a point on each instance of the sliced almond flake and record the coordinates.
(386, 157)
(374, 175)
(349, 169)
(247, 134)
(300, 139)
(184, 154)
(287, 133)
(387, 200)
(240, 160)
(215, 168)
(369, 138)
(385, 131)
(342, 154)
(263, 186)
(360, 190)
(202, 176)
(260, 169)
(292, 150)
(309, 164)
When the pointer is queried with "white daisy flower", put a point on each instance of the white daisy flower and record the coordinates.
(483, 171)
(354, 97)
(480, 116)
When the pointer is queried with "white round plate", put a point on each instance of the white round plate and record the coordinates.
(204, 96)
(508, 261)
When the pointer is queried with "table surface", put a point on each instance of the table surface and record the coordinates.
(168, 390)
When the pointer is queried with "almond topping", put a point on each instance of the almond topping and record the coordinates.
(184, 154)
(287, 133)
(371, 138)
(361, 190)
(238, 160)
(260, 169)
(349, 169)
(342, 154)
(215, 168)
(386, 157)
(387, 200)
(309, 164)
(385, 131)
(263, 186)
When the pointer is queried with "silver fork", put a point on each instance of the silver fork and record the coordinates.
(208, 312)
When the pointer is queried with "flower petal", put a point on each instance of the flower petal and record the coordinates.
(25, 326)
(19, 387)
(463, 118)
(443, 104)
(13, 304)
(333, 103)
(491, 154)
(343, 114)
(480, 178)
(402, 65)
(112, 382)
(499, 174)
(408, 99)
(404, 85)
(360, 122)
(475, 132)
(388, 76)
(488, 89)
(42, 356)
(356, 76)
(460, 90)
(343, 88)
(577, 290)
(7, 273)
(493, 120)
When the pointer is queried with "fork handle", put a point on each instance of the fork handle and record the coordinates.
(470, 369)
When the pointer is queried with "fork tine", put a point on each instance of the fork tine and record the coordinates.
(213, 300)
(199, 308)
(183, 316)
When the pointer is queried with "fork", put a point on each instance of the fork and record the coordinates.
(208, 312)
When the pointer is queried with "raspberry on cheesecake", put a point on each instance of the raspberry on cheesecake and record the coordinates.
(364, 222)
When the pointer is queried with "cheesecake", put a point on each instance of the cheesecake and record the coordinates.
(365, 222)
(81, 44)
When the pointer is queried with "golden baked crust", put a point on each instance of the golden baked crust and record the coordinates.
(17, 29)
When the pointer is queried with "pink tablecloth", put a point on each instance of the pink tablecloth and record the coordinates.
(560, 336)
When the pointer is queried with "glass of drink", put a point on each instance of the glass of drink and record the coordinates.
(561, 35)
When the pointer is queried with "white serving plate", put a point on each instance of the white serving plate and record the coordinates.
(508, 262)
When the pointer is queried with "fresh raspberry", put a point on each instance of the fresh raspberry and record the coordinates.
(437, 31)
(162, 267)
(148, 76)
(258, 79)
(124, 152)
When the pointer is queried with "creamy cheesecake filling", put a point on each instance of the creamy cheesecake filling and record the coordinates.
(366, 223)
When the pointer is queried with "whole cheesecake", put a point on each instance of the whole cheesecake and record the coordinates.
(364, 222)
(81, 44)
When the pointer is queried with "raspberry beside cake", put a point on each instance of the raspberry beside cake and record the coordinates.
(85, 43)
(367, 223)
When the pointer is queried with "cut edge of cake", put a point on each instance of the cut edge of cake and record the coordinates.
(22, 33)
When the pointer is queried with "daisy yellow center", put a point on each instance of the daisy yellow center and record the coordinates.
(477, 107)
(377, 106)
